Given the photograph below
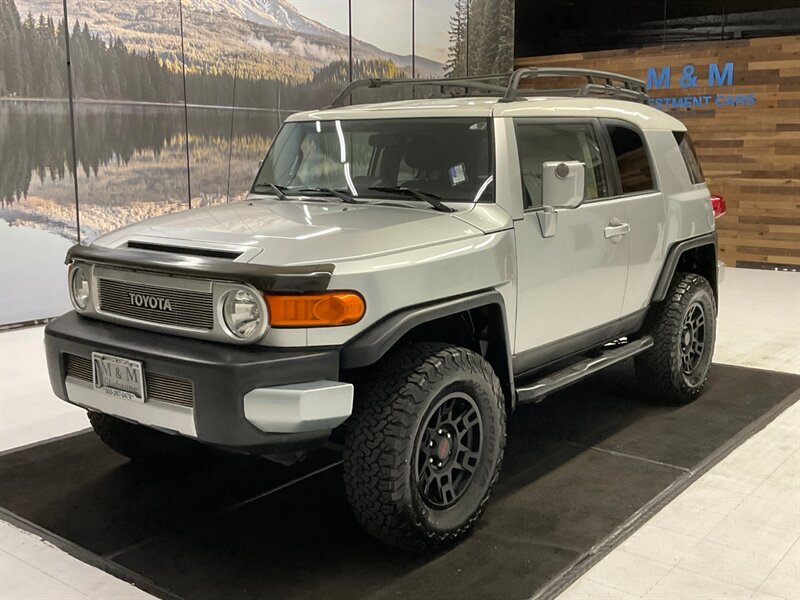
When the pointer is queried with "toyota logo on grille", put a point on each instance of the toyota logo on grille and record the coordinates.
(147, 301)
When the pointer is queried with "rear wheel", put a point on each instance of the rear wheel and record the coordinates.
(424, 446)
(683, 327)
(143, 444)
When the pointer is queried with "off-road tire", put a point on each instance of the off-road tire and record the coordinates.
(386, 433)
(660, 369)
(143, 444)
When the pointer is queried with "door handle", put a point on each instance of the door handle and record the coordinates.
(615, 230)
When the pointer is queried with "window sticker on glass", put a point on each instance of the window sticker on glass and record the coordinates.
(458, 174)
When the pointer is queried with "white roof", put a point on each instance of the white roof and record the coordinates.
(642, 115)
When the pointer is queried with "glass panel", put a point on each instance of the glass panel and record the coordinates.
(634, 166)
(538, 143)
(37, 198)
(129, 119)
(382, 46)
(447, 157)
(299, 61)
(490, 42)
(439, 39)
(310, 51)
(253, 132)
(212, 68)
(689, 156)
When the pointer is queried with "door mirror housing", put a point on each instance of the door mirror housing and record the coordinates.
(563, 183)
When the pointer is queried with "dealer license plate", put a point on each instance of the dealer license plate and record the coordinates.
(117, 376)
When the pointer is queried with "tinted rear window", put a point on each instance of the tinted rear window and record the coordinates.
(634, 166)
(689, 156)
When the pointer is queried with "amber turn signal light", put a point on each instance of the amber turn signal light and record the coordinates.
(315, 310)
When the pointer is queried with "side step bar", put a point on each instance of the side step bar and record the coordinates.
(545, 386)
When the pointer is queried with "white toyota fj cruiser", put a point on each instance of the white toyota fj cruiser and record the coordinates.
(402, 276)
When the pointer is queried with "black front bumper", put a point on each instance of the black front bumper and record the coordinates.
(221, 375)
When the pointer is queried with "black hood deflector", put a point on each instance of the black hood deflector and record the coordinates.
(304, 278)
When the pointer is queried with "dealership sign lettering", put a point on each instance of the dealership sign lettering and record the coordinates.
(689, 77)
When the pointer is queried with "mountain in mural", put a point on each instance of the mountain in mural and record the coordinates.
(272, 13)
(259, 38)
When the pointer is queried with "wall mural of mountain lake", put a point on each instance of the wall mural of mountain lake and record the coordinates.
(248, 64)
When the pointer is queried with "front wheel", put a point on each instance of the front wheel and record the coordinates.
(424, 446)
(683, 327)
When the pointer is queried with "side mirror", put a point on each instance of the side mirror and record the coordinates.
(563, 183)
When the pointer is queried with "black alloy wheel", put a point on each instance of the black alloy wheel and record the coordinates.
(693, 338)
(683, 327)
(448, 450)
(424, 446)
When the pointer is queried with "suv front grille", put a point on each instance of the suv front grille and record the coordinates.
(186, 308)
(157, 387)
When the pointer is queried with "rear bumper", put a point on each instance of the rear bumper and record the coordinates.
(720, 272)
(269, 400)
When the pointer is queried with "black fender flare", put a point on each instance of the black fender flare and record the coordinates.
(371, 345)
(671, 262)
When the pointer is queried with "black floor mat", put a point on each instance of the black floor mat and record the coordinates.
(577, 466)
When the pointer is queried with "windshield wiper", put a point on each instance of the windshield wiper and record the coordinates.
(432, 199)
(344, 197)
(278, 190)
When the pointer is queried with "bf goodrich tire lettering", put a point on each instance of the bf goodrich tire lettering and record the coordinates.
(385, 432)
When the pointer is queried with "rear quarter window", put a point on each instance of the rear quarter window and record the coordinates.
(689, 156)
(631, 154)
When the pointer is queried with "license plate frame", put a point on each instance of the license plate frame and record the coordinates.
(118, 376)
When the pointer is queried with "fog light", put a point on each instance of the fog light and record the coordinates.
(243, 313)
(79, 288)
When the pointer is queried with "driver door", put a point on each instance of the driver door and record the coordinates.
(571, 286)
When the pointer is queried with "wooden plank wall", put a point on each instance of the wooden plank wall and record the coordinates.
(750, 155)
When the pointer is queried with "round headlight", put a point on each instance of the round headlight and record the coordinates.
(242, 313)
(79, 288)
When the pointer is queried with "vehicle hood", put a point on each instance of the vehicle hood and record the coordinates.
(275, 232)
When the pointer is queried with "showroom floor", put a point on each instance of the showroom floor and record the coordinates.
(733, 533)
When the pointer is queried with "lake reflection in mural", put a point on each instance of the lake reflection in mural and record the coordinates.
(131, 161)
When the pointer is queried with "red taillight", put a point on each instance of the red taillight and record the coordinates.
(718, 205)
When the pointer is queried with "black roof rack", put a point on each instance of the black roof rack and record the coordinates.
(602, 83)
(474, 82)
(598, 83)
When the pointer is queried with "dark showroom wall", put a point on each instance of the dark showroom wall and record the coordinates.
(176, 101)
(730, 70)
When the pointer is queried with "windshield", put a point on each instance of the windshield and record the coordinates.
(450, 158)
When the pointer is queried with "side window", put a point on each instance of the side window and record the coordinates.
(540, 142)
(689, 156)
(634, 167)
